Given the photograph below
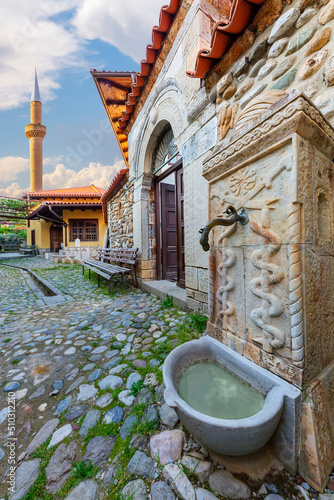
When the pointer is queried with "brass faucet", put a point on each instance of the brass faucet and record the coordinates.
(235, 217)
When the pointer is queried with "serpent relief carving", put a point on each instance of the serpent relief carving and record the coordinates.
(296, 286)
(228, 260)
(261, 286)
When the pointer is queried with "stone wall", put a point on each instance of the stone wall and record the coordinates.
(197, 289)
(120, 217)
(289, 45)
(296, 52)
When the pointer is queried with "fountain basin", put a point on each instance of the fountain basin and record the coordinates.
(234, 436)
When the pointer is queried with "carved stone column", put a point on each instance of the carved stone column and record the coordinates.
(272, 281)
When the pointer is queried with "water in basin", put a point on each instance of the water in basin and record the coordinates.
(211, 389)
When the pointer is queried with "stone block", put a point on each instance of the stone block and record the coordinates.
(194, 304)
(200, 44)
(199, 27)
(201, 297)
(191, 278)
(146, 264)
(267, 15)
(147, 274)
(203, 280)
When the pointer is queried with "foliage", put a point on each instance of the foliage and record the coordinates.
(37, 490)
(136, 387)
(198, 321)
(14, 210)
(82, 470)
(167, 303)
(22, 233)
(10, 239)
(102, 429)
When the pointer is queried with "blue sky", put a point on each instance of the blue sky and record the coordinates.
(63, 40)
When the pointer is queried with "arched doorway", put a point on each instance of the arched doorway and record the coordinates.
(56, 237)
(169, 209)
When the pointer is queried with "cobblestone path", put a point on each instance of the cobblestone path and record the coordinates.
(85, 380)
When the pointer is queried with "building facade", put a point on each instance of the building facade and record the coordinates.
(207, 61)
(234, 106)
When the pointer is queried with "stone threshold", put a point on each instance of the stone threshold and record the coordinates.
(161, 288)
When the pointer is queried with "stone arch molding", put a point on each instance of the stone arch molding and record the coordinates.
(172, 110)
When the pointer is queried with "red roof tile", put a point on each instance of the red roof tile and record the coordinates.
(78, 192)
(159, 32)
(224, 34)
(241, 14)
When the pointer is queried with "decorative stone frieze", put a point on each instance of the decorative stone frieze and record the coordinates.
(271, 290)
(226, 120)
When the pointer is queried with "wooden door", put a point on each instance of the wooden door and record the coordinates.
(33, 237)
(56, 237)
(181, 275)
(168, 232)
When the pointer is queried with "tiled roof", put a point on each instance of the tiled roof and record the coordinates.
(114, 183)
(62, 204)
(78, 192)
(224, 34)
(114, 88)
(238, 15)
(71, 203)
(159, 32)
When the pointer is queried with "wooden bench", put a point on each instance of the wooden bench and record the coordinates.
(28, 250)
(112, 262)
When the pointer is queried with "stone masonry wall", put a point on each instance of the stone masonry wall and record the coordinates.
(120, 217)
(197, 289)
(296, 52)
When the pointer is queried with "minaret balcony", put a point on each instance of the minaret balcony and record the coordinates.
(35, 130)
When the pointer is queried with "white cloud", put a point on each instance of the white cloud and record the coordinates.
(126, 24)
(51, 35)
(95, 173)
(12, 191)
(12, 166)
(30, 36)
(61, 177)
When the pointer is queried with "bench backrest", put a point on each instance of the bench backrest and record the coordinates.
(119, 255)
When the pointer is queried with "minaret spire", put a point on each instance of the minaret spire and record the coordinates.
(35, 132)
(35, 95)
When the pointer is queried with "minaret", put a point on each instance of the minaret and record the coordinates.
(35, 133)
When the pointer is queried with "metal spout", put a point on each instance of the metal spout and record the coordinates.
(235, 217)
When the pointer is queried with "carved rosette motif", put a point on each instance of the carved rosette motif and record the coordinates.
(228, 283)
(296, 286)
(242, 181)
(261, 286)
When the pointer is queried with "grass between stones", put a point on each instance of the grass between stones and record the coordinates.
(179, 328)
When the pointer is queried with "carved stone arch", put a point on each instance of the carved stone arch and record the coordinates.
(172, 111)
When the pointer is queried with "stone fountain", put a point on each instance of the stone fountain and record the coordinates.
(271, 295)
(271, 281)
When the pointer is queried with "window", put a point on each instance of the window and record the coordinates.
(166, 153)
(85, 230)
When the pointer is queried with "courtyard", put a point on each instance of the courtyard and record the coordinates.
(83, 380)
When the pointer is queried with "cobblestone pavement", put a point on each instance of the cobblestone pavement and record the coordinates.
(90, 421)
